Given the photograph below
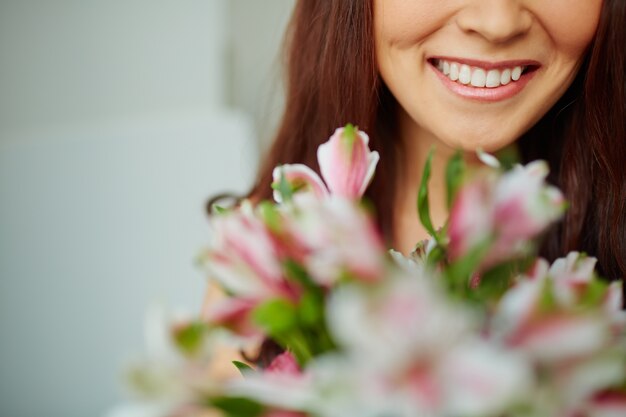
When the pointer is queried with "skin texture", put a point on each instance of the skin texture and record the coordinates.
(554, 33)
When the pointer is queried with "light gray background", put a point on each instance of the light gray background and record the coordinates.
(117, 119)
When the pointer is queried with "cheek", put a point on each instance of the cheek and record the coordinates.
(571, 24)
(403, 23)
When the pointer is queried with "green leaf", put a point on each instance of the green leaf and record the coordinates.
(508, 157)
(283, 187)
(436, 255)
(423, 207)
(459, 272)
(297, 273)
(270, 216)
(244, 368)
(276, 316)
(547, 300)
(296, 342)
(238, 406)
(495, 282)
(311, 309)
(594, 294)
(218, 209)
(454, 176)
(189, 338)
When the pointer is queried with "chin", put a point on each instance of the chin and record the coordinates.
(473, 142)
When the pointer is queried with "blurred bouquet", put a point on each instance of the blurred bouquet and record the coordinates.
(472, 323)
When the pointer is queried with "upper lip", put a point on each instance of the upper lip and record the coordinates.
(489, 64)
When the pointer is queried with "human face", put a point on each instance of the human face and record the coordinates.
(422, 45)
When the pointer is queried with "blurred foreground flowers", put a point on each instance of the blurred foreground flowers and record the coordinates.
(471, 324)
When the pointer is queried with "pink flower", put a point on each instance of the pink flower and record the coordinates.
(561, 337)
(523, 204)
(245, 258)
(234, 314)
(285, 363)
(542, 314)
(614, 306)
(337, 237)
(301, 178)
(482, 379)
(283, 387)
(507, 212)
(615, 297)
(403, 322)
(470, 219)
(346, 162)
(571, 276)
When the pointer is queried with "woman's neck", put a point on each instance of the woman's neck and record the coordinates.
(417, 143)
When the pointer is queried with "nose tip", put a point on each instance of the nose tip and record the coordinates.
(497, 21)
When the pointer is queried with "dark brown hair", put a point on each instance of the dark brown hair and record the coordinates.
(332, 79)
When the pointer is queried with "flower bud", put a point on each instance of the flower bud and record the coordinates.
(346, 162)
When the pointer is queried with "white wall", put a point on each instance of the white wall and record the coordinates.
(118, 118)
(255, 67)
(113, 132)
(95, 225)
(84, 61)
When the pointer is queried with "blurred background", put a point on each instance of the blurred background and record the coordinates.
(118, 119)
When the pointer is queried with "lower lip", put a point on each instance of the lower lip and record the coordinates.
(484, 94)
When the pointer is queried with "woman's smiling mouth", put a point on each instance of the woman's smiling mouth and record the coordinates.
(481, 80)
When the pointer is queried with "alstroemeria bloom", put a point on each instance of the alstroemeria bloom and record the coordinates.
(562, 319)
(245, 258)
(233, 313)
(167, 379)
(283, 387)
(367, 324)
(482, 379)
(346, 163)
(301, 178)
(285, 363)
(510, 211)
(614, 305)
(541, 314)
(569, 277)
(418, 354)
(336, 237)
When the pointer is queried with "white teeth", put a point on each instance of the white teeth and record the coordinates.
(506, 77)
(478, 77)
(454, 71)
(465, 74)
(446, 68)
(493, 79)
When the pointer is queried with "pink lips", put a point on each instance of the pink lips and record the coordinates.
(489, 95)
